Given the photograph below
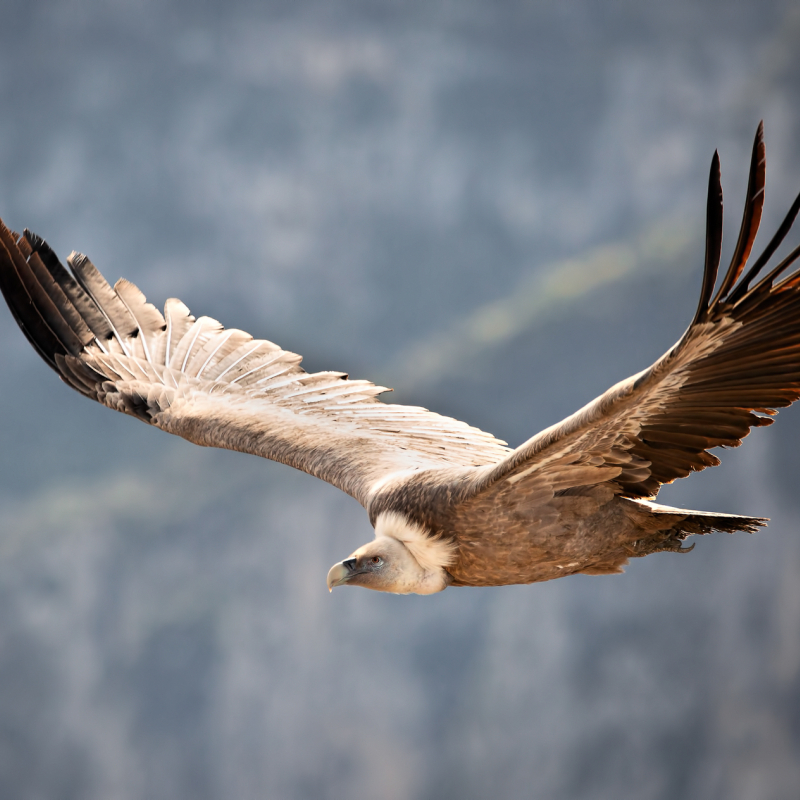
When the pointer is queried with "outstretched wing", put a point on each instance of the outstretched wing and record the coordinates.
(738, 361)
(219, 387)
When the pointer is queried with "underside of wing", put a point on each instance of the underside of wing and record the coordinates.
(219, 387)
(736, 364)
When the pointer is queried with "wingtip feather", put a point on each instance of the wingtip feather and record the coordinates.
(751, 216)
(713, 237)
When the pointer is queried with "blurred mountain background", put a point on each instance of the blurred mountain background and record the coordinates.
(496, 207)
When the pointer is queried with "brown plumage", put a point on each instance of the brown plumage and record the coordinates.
(450, 504)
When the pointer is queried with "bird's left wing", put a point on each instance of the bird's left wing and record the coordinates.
(220, 387)
(738, 361)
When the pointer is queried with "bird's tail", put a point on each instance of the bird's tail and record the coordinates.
(667, 527)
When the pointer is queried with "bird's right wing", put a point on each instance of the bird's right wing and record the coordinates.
(220, 387)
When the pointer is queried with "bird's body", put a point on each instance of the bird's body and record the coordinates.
(451, 505)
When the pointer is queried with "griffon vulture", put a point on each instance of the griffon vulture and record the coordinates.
(450, 504)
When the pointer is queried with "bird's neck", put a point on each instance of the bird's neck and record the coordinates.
(430, 554)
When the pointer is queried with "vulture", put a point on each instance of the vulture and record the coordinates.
(451, 505)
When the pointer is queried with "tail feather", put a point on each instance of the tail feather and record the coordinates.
(683, 522)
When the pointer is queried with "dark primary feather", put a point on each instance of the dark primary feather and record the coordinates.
(751, 219)
(713, 237)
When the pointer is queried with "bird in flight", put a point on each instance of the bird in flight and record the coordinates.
(451, 505)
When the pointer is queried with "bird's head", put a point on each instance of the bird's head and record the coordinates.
(386, 565)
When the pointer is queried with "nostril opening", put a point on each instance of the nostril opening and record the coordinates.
(350, 563)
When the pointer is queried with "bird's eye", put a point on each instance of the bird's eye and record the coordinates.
(376, 560)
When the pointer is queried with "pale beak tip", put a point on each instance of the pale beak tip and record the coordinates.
(338, 575)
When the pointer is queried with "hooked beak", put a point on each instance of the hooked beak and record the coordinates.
(341, 573)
